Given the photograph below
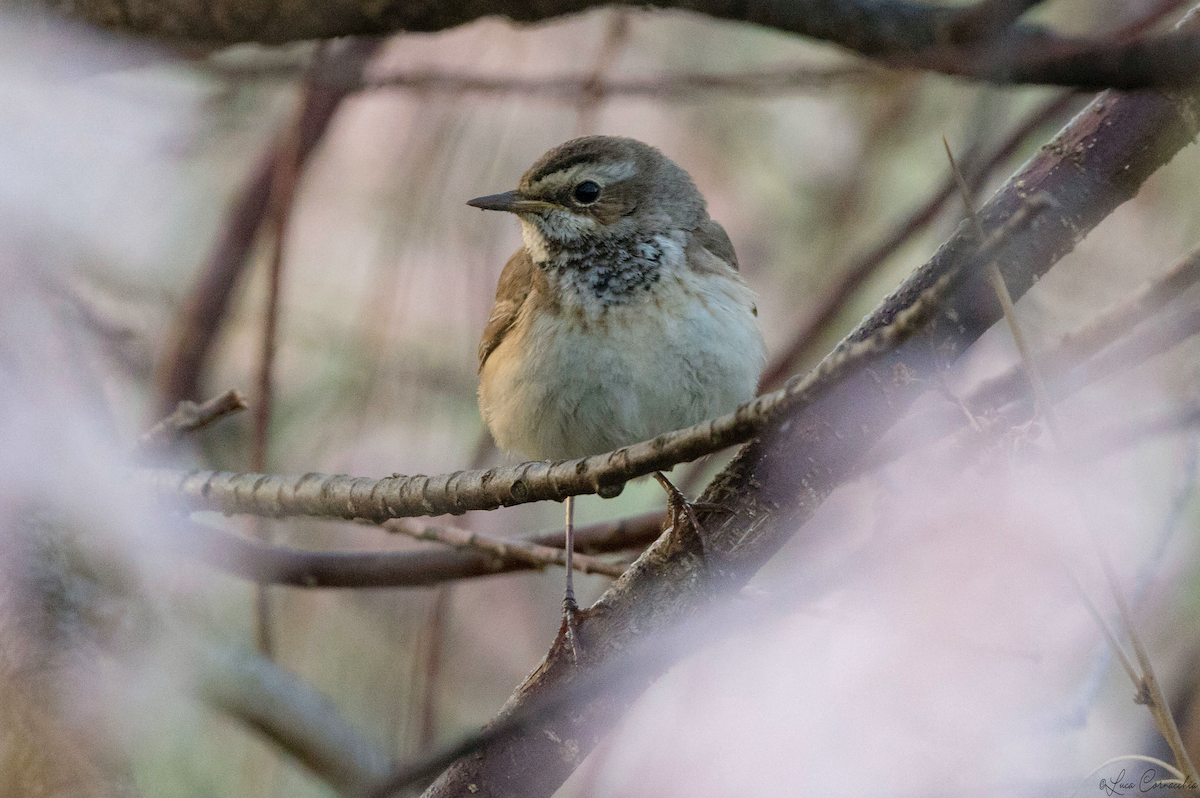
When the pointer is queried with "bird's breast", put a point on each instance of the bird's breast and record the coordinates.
(582, 375)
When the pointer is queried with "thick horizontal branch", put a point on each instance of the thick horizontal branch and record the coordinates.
(280, 565)
(896, 32)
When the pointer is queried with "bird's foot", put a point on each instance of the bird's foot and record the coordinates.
(568, 633)
(679, 506)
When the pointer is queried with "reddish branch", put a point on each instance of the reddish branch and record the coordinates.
(279, 565)
(191, 338)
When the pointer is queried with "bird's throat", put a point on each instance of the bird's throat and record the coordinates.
(600, 273)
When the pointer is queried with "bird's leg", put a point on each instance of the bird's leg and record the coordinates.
(678, 505)
(570, 608)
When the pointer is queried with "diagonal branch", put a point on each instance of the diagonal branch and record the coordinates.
(295, 717)
(860, 270)
(189, 417)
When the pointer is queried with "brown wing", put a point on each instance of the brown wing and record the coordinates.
(712, 236)
(516, 281)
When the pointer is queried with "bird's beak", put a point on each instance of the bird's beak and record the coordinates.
(510, 201)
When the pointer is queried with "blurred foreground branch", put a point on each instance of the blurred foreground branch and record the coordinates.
(301, 721)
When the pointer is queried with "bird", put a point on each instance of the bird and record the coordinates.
(622, 316)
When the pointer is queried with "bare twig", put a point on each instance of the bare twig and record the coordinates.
(536, 555)
(189, 417)
(1087, 341)
(279, 565)
(616, 36)
(429, 668)
(1076, 361)
(284, 180)
(696, 87)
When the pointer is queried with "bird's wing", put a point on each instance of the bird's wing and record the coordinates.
(516, 281)
(712, 236)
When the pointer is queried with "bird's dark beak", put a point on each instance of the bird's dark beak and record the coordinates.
(511, 201)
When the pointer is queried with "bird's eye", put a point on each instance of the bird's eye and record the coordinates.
(587, 192)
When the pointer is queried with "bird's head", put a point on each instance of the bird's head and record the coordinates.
(599, 188)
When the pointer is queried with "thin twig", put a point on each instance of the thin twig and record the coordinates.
(1105, 346)
(430, 668)
(684, 87)
(189, 417)
(531, 553)
(616, 36)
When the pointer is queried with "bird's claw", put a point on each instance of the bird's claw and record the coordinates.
(569, 631)
(679, 505)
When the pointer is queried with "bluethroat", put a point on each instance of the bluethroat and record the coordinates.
(623, 315)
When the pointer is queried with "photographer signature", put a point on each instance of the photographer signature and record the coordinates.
(1146, 783)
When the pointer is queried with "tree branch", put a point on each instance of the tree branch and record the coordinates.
(279, 565)
(896, 32)
(856, 274)
(189, 417)
(671, 87)
(531, 554)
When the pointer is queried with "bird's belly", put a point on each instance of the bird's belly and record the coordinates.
(563, 385)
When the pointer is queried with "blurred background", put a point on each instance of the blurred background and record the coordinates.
(931, 645)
